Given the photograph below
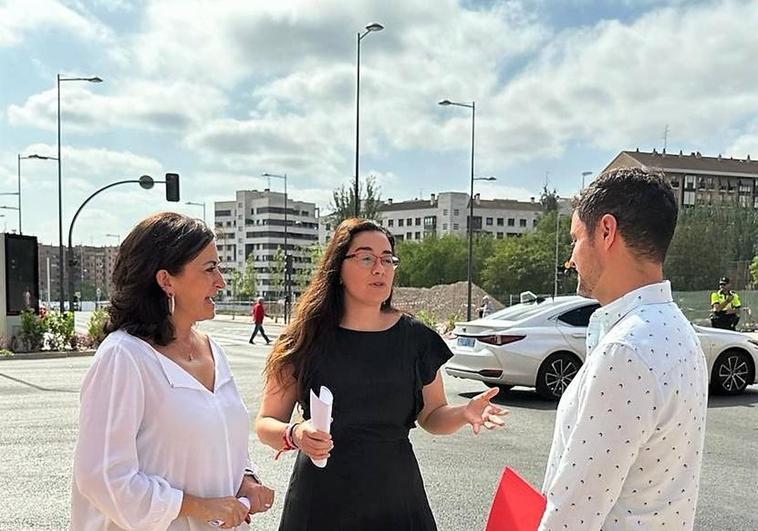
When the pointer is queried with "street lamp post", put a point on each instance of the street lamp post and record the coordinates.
(469, 273)
(145, 181)
(287, 283)
(200, 205)
(370, 28)
(18, 193)
(116, 236)
(585, 174)
(61, 78)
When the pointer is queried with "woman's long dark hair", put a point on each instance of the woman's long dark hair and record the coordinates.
(321, 307)
(138, 305)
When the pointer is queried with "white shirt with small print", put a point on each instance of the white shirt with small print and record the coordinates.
(629, 432)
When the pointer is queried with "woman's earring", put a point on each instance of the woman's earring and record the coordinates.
(171, 304)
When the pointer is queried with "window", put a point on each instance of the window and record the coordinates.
(418, 236)
(418, 221)
(223, 213)
(400, 222)
(390, 222)
(534, 222)
(444, 212)
(456, 226)
(511, 222)
(408, 235)
(489, 222)
(430, 222)
(579, 316)
(689, 182)
(444, 226)
(409, 221)
(456, 212)
(689, 198)
(499, 235)
(522, 223)
(499, 222)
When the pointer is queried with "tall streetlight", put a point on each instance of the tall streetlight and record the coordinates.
(200, 205)
(117, 238)
(585, 174)
(471, 106)
(286, 249)
(370, 28)
(146, 183)
(61, 78)
(18, 193)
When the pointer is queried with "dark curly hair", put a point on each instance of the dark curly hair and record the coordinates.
(138, 305)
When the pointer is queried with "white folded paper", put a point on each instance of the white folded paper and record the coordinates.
(218, 523)
(321, 415)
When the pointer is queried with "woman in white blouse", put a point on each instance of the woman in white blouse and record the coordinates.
(163, 432)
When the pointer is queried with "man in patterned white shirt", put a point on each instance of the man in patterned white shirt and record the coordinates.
(628, 441)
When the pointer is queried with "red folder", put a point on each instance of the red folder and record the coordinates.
(517, 505)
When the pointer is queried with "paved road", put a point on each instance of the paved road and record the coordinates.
(38, 410)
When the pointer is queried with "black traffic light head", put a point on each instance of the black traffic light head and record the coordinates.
(172, 187)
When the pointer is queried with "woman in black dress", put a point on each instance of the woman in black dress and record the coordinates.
(383, 369)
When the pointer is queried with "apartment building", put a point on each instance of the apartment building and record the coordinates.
(697, 179)
(254, 224)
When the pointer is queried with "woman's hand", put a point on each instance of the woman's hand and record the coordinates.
(227, 509)
(261, 497)
(480, 412)
(314, 443)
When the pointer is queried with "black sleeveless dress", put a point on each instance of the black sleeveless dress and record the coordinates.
(372, 480)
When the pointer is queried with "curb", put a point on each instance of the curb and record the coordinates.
(48, 355)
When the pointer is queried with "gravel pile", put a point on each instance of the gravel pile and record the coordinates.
(441, 302)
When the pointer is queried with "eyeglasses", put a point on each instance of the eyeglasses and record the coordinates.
(368, 260)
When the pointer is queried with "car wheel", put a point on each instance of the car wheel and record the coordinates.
(503, 388)
(732, 372)
(555, 374)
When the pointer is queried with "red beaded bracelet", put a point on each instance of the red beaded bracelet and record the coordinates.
(287, 442)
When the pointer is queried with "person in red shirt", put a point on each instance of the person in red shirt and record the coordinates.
(258, 312)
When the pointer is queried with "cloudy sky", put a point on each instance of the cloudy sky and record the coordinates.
(221, 91)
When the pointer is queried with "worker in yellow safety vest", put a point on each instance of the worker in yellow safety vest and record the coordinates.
(725, 306)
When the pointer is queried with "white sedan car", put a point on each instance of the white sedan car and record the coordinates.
(541, 344)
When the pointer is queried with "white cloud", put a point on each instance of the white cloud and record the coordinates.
(137, 104)
(19, 18)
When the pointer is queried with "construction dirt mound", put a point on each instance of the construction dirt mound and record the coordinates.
(441, 304)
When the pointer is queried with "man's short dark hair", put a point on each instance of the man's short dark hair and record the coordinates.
(643, 204)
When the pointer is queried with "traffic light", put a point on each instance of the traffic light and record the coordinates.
(172, 187)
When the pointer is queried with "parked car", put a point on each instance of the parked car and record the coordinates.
(541, 344)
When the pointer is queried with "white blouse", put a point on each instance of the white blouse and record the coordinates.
(148, 432)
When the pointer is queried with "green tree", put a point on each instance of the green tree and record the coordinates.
(528, 262)
(548, 199)
(754, 270)
(235, 281)
(277, 272)
(248, 279)
(343, 201)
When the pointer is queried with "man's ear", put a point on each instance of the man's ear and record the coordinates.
(608, 228)
(163, 278)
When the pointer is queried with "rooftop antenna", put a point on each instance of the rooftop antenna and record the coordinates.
(665, 137)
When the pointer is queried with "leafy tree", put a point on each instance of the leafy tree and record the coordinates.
(248, 279)
(236, 280)
(549, 199)
(277, 272)
(754, 270)
(343, 201)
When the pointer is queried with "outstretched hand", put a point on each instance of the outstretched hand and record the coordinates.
(480, 412)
